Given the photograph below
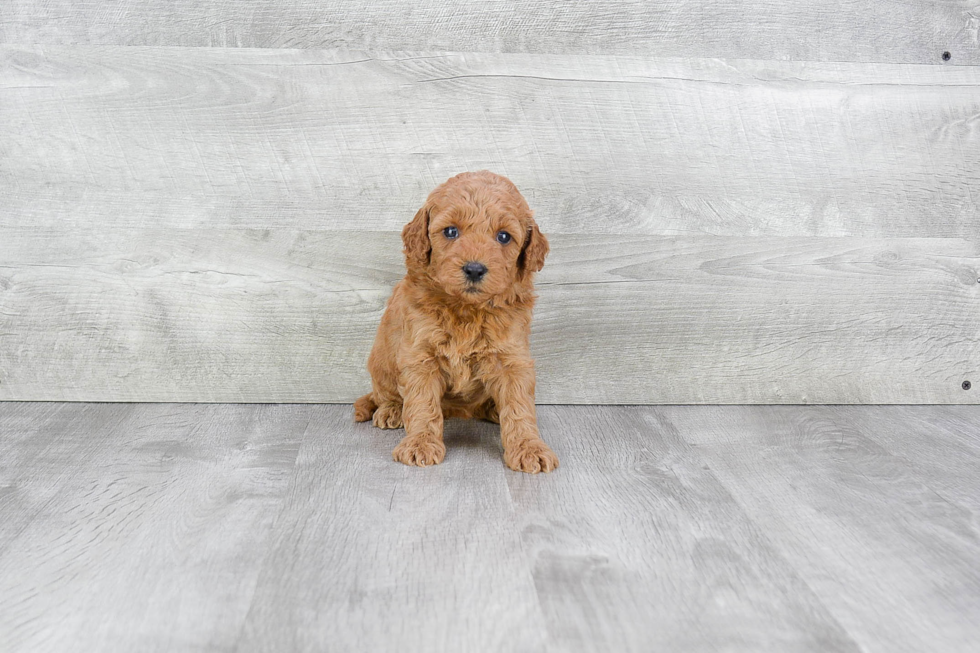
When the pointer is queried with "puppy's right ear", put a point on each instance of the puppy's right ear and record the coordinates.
(415, 236)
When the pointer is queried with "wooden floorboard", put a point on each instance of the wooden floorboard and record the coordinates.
(287, 527)
(371, 554)
(939, 446)
(873, 534)
(137, 527)
(636, 546)
(35, 465)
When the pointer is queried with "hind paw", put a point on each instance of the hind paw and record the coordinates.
(388, 416)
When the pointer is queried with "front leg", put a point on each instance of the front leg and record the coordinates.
(512, 388)
(421, 387)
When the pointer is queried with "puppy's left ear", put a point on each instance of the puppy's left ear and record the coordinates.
(533, 252)
(415, 237)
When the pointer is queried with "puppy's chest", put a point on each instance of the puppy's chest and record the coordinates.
(462, 360)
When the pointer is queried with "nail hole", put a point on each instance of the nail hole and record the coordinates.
(967, 385)
(947, 56)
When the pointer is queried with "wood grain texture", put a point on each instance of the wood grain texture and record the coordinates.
(635, 512)
(220, 224)
(897, 31)
(373, 555)
(289, 528)
(875, 535)
(239, 315)
(107, 137)
(32, 467)
(941, 447)
(138, 527)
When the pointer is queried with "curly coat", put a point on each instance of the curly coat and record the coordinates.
(454, 342)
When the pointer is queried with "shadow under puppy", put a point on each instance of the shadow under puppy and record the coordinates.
(454, 338)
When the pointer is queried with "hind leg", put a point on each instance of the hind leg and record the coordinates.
(384, 405)
(364, 408)
(388, 415)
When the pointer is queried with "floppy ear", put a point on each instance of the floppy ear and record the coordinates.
(415, 236)
(533, 252)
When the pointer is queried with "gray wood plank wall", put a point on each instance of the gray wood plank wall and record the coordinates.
(796, 221)
(908, 31)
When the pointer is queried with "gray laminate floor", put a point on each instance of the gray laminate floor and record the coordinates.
(179, 527)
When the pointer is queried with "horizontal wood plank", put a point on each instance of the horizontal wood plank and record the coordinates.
(908, 31)
(238, 315)
(134, 137)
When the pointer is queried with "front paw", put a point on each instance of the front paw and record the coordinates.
(420, 451)
(531, 456)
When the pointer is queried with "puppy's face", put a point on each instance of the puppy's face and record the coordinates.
(475, 246)
(479, 238)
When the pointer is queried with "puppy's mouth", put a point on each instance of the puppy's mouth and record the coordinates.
(471, 289)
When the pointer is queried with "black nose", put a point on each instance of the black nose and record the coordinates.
(474, 271)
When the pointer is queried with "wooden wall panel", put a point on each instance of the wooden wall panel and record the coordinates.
(220, 224)
(907, 31)
(215, 138)
(289, 316)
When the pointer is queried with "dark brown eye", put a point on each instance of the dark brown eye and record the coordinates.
(450, 232)
(503, 237)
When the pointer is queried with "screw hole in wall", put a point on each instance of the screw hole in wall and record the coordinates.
(947, 56)
(967, 385)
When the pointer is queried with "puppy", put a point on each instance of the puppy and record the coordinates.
(454, 338)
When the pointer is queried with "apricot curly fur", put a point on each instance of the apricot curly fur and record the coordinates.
(450, 345)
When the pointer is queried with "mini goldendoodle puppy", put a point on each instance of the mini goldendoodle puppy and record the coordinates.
(453, 341)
